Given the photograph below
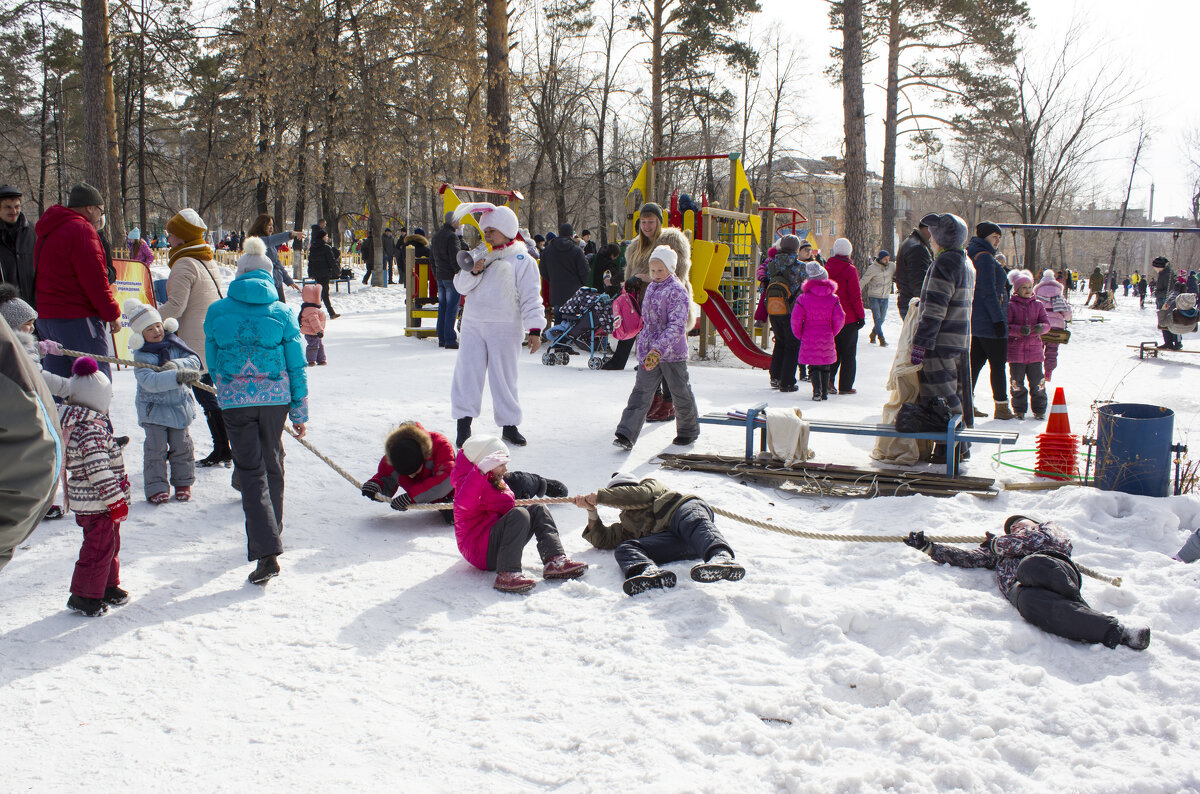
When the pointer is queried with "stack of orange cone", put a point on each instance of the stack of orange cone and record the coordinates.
(1057, 449)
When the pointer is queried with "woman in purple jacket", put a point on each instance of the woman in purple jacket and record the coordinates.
(1027, 321)
(662, 353)
(817, 318)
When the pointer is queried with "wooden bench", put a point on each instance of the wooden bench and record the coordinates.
(1151, 350)
(336, 282)
(754, 418)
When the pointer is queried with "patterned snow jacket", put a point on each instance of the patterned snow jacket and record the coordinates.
(1004, 553)
(664, 320)
(946, 295)
(95, 469)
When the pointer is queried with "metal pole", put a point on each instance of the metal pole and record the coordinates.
(1149, 219)
(408, 205)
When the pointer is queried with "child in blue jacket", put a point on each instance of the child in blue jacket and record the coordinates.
(164, 402)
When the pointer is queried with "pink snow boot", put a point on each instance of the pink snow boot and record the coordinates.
(560, 567)
(513, 582)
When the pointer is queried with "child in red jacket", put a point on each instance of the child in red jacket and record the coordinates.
(492, 531)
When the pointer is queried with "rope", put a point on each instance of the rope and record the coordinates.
(798, 533)
(130, 363)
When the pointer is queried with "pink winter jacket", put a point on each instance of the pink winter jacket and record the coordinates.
(816, 319)
(312, 318)
(1026, 348)
(1046, 292)
(478, 505)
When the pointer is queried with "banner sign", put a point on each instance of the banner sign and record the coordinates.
(133, 281)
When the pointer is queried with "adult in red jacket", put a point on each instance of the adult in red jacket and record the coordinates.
(843, 273)
(73, 296)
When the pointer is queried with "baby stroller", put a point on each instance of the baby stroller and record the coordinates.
(586, 322)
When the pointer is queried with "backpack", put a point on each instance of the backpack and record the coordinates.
(778, 294)
(627, 321)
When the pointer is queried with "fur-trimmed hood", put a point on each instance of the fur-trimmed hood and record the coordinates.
(410, 431)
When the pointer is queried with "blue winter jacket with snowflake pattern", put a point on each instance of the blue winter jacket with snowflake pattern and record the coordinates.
(252, 344)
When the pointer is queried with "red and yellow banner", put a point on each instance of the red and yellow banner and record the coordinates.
(133, 281)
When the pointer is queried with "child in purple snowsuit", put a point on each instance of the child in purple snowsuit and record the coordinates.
(662, 351)
(1027, 321)
(816, 319)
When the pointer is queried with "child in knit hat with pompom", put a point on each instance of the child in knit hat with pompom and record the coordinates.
(97, 489)
(1027, 321)
(164, 402)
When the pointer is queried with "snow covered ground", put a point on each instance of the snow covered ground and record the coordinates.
(381, 661)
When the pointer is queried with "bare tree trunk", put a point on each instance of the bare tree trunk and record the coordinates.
(887, 226)
(498, 120)
(112, 159)
(94, 15)
(856, 137)
(302, 170)
(43, 143)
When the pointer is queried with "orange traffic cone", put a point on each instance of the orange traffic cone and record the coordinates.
(1057, 449)
(1058, 422)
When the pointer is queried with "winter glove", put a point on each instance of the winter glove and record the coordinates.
(918, 542)
(917, 356)
(555, 489)
(1026, 330)
(401, 502)
(999, 330)
(172, 364)
(858, 324)
(320, 335)
(48, 347)
(370, 489)
(651, 360)
(185, 377)
(118, 511)
(987, 541)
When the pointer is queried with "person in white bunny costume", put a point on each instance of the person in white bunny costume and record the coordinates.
(503, 292)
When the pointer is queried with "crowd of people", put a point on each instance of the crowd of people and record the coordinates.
(242, 354)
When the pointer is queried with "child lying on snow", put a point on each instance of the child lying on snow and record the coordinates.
(657, 526)
(1033, 563)
(491, 531)
(417, 463)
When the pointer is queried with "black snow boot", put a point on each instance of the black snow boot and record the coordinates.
(92, 607)
(464, 431)
(220, 453)
(513, 436)
(719, 566)
(648, 578)
(115, 596)
(268, 568)
(1137, 639)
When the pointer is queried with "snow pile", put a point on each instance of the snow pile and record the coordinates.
(380, 660)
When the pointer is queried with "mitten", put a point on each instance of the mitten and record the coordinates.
(172, 364)
(118, 511)
(186, 376)
(401, 502)
(987, 541)
(999, 330)
(859, 324)
(320, 335)
(1025, 330)
(651, 360)
(48, 347)
(918, 542)
(917, 356)
(370, 489)
(555, 489)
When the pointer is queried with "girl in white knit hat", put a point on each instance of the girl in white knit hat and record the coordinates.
(503, 291)
(164, 402)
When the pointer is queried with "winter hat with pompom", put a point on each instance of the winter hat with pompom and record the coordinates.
(15, 311)
(949, 232)
(89, 387)
(1048, 276)
(666, 254)
(842, 247)
(254, 256)
(486, 452)
(1019, 277)
(188, 226)
(141, 317)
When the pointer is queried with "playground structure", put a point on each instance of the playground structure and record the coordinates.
(420, 286)
(726, 245)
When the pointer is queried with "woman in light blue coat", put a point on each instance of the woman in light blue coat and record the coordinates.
(256, 358)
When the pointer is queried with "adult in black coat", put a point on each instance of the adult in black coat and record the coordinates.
(913, 262)
(608, 260)
(1164, 283)
(16, 246)
(366, 249)
(443, 251)
(989, 316)
(565, 266)
(323, 266)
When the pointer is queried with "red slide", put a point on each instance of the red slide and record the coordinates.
(736, 339)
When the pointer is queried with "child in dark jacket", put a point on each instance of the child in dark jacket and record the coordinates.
(416, 469)
(817, 318)
(657, 526)
(97, 490)
(1027, 321)
(1035, 573)
(491, 530)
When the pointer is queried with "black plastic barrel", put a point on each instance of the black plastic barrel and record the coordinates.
(1133, 449)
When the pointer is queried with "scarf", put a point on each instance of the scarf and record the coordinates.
(162, 348)
(196, 250)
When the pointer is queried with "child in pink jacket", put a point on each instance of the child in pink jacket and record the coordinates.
(817, 318)
(491, 530)
(1058, 312)
(312, 324)
(1027, 321)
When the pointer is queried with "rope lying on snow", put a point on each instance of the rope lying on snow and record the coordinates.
(797, 533)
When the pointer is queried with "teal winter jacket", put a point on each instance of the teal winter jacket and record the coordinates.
(253, 348)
